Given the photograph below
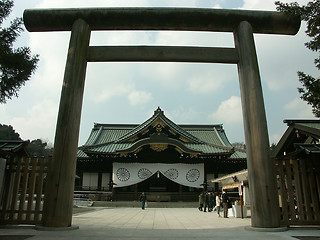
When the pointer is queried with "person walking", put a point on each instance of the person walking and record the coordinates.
(201, 200)
(143, 199)
(218, 204)
(225, 201)
(206, 202)
(211, 199)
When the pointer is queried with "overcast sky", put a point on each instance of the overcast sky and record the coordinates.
(188, 93)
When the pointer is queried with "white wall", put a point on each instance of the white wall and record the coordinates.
(105, 180)
(90, 180)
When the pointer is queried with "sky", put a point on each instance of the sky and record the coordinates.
(188, 93)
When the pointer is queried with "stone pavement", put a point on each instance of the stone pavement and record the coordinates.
(154, 223)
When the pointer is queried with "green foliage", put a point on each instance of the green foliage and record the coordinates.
(38, 148)
(239, 145)
(16, 65)
(310, 90)
(8, 133)
(272, 147)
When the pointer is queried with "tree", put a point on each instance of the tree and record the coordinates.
(310, 90)
(38, 148)
(8, 133)
(16, 65)
(272, 147)
(239, 145)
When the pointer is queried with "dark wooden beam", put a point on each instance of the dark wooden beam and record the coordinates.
(58, 201)
(162, 54)
(262, 179)
(184, 19)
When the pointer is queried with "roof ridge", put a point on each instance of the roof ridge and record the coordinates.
(189, 135)
(219, 146)
(139, 126)
(159, 114)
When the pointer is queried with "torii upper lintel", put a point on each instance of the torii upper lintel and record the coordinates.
(177, 19)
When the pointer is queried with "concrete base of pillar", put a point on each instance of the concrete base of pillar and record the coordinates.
(42, 228)
(277, 229)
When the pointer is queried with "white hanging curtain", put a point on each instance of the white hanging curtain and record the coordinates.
(126, 174)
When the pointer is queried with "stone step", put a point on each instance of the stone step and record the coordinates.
(149, 204)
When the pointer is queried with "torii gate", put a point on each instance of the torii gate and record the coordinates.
(243, 23)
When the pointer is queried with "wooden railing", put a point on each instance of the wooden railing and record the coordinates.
(23, 191)
(299, 191)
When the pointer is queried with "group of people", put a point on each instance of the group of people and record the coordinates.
(212, 201)
(207, 200)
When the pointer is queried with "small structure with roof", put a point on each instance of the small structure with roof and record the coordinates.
(298, 172)
(237, 186)
(13, 148)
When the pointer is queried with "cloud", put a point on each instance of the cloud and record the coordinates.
(259, 5)
(182, 114)
(274, 138)
(39, 122)
(139, 97)
(204, 83)
(280, 57)
(96, 3)
(105, 93)
(297, 108)
(229, 111)
(267, 5)
(52, 48)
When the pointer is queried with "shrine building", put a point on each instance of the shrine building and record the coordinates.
(168, 161)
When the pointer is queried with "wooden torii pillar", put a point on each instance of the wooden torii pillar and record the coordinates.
(263, 192)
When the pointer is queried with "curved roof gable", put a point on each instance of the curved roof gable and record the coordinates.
(159, 121)
(206, 140)
(298, 131)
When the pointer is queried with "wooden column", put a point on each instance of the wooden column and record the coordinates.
(60, 180)
(136, 191)
(262, 181)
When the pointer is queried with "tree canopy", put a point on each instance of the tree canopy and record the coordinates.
(36, 147)
(8, 133)
(39, 148)
(310, 90)
(16, 65)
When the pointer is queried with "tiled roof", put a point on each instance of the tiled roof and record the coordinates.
(13, 147)
(108, 147)
(158, 114)
(315, 125)
(203, 139)
(298, 131)
(105, 133)
(81, 154)
(213, 134)
(239, 154)
(310, 126)
(208, 149)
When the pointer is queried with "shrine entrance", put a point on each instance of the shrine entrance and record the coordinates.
(243, 24)
(159, 189)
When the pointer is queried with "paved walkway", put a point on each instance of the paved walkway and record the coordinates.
(155, 223)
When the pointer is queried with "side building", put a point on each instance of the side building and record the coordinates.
(168, 161)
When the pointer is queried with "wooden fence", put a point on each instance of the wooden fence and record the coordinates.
(23, 191)
(21, 199)
(299, 191)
